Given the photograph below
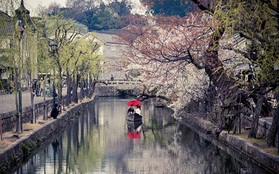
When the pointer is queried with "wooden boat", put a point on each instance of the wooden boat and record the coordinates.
(134, 125)
(131, 116)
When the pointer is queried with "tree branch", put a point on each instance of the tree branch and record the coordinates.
(202, 7)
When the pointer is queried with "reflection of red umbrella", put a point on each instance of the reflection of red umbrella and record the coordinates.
(133, 103)
(134, 135)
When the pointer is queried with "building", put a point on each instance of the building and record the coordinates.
(113, 49)
(18, 57)
(6, 37)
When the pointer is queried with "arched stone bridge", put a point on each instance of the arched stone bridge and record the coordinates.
(119, 88)
(124, 85)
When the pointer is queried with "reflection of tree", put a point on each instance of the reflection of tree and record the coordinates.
(85, 143)
(156, 129)
(194, 154)
(68, 151)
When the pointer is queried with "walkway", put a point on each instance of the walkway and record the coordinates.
(8, 104)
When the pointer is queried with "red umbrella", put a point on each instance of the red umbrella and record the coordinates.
(133, 103)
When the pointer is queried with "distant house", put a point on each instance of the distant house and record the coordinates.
(18, 38)
(6, 37)
(113, 49)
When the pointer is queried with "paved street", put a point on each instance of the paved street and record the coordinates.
(7, 101)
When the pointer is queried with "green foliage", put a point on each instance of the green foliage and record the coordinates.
(83, 56)
(256, 21)
(103, 20)
(104, 17)
(44, 58)
(27, 148)
(6, 33)
(170, 7)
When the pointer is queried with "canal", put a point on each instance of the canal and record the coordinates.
(101, 141)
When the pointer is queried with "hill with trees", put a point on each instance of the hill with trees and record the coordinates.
(95, 16)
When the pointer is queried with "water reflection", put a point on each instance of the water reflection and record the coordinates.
(134, 129)
(100, 141)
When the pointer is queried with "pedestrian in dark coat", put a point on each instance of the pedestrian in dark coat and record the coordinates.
(55, 111)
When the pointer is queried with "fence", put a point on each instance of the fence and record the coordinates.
(9, 118)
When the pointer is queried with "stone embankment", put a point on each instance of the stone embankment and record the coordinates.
(20, 150)
(232, 144)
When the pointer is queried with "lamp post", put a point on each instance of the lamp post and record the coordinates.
(53, 46)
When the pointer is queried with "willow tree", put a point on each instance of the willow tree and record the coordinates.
(45, 60)
(6, 49)
(90, 66)
(63, 32)
(257, 22)
(19, 34)
(82, 63)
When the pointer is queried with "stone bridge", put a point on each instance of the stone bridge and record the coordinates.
(118, 88)
(122, 84)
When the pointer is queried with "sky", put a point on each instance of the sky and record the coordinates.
(32, 5)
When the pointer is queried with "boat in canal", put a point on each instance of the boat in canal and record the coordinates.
(132, 116)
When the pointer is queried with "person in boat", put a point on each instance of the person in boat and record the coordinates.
(137, 110)
(131, 111)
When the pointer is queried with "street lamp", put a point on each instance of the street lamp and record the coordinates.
(53, 46)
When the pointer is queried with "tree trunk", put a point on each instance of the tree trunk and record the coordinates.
(32, 94)
(271, 136)
(92, 84)
(255, 121)
(44, 93)
(75, 88)
(60, 85)
(69, 88)
(82, 86)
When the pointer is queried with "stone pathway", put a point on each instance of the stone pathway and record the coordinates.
(11, 137)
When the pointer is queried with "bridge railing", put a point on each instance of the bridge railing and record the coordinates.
(122, 84)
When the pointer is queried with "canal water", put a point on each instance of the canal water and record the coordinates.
(101, 141)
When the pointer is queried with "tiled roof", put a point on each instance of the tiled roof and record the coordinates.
(110, 38)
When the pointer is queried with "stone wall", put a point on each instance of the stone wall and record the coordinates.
(13, 156)
(232, 144)
(9, 118)
(106, 91)
(263, 127)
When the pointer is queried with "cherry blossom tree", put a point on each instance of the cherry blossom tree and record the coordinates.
(160, 49)
(163, 47)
